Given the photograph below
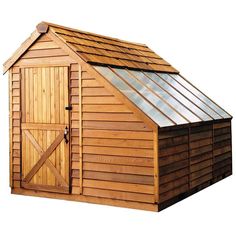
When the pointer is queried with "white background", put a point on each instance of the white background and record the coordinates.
(196, 37)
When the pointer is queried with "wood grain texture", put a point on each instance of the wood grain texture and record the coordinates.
(193, 157)
(115, 146)
(20, 51)
(90, 160)
(222, 155)
(44, 153)
(89, 199)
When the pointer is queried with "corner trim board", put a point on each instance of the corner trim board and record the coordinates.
(80, 132)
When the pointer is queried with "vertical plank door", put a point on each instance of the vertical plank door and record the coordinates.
(45, 152)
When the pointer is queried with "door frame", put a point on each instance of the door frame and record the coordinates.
(52, 189)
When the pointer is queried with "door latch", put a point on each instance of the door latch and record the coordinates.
(66, 131)
(68, 108)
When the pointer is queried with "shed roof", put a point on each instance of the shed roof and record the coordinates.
(94, 48)
(146, 79)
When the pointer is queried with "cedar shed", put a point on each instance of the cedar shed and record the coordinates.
(102, 120)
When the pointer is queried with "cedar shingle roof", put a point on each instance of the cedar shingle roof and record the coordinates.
(103, 50)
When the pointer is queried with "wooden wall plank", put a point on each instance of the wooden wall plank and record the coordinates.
(117, 147)
(206, 159)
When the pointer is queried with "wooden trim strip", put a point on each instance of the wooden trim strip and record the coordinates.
(10, 125)
(80, 131)
(189, 158)
(156, 165)
(44, 157)
(27, 126)
(23, 106)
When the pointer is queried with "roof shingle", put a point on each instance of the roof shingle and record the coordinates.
(103, 50)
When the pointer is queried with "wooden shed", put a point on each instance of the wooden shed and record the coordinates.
(101, 120)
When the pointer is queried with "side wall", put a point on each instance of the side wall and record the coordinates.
(117, 148)
(192, 158)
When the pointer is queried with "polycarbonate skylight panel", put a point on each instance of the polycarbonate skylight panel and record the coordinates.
(191, 117)
(190, 96)
(179, 96)
(201, 96)
(135, 97)
(161, 105)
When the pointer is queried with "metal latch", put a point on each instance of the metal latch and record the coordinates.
(66, 131)
(68, 108)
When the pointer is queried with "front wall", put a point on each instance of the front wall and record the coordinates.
(118, 148)
(193, 157)
(42, 53)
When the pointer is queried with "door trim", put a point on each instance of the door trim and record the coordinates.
(64, 187)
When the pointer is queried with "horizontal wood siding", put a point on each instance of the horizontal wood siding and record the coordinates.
(173, 162)
(201, 154)
(192, 157)
(117, 147)
(44, 52)
(222, 160)
(15, 128)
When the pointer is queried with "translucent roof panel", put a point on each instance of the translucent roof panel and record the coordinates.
(152, 97)
(135, 97)
(166, 96)
(167, 99)
(201, 96)
(205, 108)
(178, 95)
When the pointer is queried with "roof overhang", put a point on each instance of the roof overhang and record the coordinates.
(97, 49)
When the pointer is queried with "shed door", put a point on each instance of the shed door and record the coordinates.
(45, 152)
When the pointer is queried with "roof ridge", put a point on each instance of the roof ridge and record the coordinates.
(94, 34)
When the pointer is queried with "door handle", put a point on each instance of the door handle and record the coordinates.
(66, 131)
